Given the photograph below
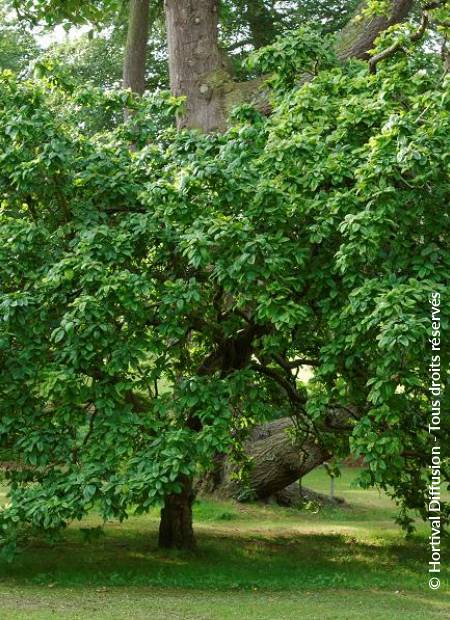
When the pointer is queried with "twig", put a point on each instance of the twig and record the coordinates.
(294, 363)
(289, 388)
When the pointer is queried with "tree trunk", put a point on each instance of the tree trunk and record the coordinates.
(196, 67)
(136, 46)
(175, 528)
(195, 64)
(278, 455)
(277, 459)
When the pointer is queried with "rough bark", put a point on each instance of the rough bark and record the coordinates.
(278, 459)
(196, 65)
(136, 46)
(175, 528)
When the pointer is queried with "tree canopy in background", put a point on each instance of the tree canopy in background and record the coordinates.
(17, 45)
(97, 55)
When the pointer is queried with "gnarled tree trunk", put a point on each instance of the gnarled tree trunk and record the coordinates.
(280, 455)
(278, 458)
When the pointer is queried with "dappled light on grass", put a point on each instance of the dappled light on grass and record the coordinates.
(255, 561)
(241, 547)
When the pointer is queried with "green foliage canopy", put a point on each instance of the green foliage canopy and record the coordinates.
(146, 287)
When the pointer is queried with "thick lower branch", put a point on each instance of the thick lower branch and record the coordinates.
(279, 455)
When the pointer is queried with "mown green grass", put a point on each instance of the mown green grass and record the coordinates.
(253, 561)
(140, 604)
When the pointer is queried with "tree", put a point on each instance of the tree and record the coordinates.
(174, 291)
(197, 71)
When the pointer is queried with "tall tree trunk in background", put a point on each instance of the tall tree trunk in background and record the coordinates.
(136, 46)
(195, 62)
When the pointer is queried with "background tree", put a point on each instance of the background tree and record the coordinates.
(17, 46)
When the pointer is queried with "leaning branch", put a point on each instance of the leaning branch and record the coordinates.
(358, 36)
(354, 41)
(398, 45)
(415, 36)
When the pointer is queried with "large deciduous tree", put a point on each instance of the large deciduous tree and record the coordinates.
(158, 303)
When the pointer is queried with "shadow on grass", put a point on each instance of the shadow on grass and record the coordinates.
(224, 561)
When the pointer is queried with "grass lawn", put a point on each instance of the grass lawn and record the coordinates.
(261, 562)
